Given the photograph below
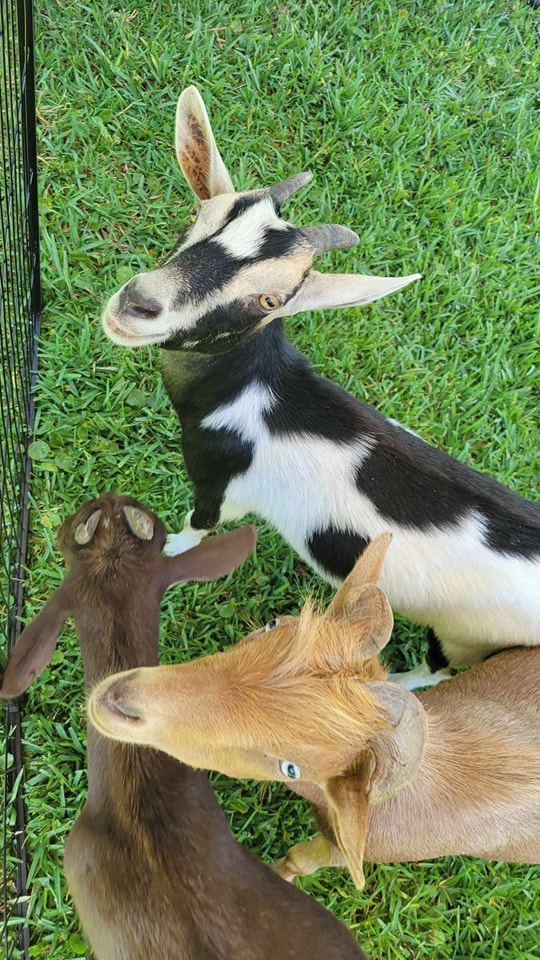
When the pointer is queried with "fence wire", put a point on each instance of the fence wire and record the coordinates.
(19, 328)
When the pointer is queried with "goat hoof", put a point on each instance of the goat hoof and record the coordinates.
(180, 542)
(282, 867)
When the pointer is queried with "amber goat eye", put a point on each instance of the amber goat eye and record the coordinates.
(194, 214)
(268, 301)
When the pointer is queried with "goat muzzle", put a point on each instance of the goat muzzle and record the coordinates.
(114, 703)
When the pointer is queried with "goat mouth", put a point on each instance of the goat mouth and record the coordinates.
(112, 326)
(120, 335)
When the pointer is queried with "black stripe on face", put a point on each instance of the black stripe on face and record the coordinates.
(278, 243)
(233, 319)
(206, 267)
(238, 208)
(202, 269)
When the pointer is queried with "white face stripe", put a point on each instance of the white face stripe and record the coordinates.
(240, 238)
(243, 237)
(212, 214)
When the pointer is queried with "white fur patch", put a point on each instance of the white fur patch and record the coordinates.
(212, 213)
(244, 235)
(421, 676)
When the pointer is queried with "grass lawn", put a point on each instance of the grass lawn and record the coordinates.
(420, 123)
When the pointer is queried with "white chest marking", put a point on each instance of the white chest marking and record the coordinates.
(298, 481)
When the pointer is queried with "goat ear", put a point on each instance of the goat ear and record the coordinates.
(363, 605)
(348, 808)
(36, 644)
(196, 148)
(398, 751)
(367, 569)
(366, 625)
(212, 558)
(389, 762)
(322, 290)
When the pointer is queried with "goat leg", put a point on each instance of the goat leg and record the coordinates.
(306, 857)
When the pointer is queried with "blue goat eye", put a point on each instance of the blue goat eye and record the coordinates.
(271, 625)
(289, 769)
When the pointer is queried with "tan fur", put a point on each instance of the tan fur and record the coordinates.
(462, 760)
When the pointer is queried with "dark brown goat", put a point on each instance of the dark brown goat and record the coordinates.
(152, 865)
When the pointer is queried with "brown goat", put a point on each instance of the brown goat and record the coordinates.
(152, 865)
(394, 776)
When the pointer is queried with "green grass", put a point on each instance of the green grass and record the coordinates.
(420, 123)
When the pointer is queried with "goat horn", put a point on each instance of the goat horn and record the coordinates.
(85, 531)
(398, 752)
(330, 236)
(280, 192)
(139, 522)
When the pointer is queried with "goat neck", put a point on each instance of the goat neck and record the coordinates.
(198, 383)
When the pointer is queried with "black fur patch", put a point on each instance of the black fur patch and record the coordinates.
(277, 243)
(336, 550)
(212, 457)
(198, 383)
(233, 319)
(435, 656)
(418, 486)
(202, 269)
(313, 405)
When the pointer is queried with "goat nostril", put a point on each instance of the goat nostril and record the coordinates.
(149, 310)
(118, 706)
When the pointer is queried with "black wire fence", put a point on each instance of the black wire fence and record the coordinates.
(19, 327)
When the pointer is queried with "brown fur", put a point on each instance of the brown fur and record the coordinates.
(151, 862)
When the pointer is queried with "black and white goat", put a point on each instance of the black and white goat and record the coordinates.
(262, 433)
(152, 865)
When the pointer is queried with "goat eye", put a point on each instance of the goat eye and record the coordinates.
(289, 769)
(194, 214)
(271, 625)
(269, 301)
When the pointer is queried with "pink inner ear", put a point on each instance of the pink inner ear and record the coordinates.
(193, 157)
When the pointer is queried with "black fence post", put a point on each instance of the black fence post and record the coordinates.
(20, 308)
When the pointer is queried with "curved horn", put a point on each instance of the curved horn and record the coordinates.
(85, 531)
(139, 522)
(330, 236)
(281, 192)
(399, 751)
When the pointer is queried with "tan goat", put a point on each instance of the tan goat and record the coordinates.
(394, 776)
